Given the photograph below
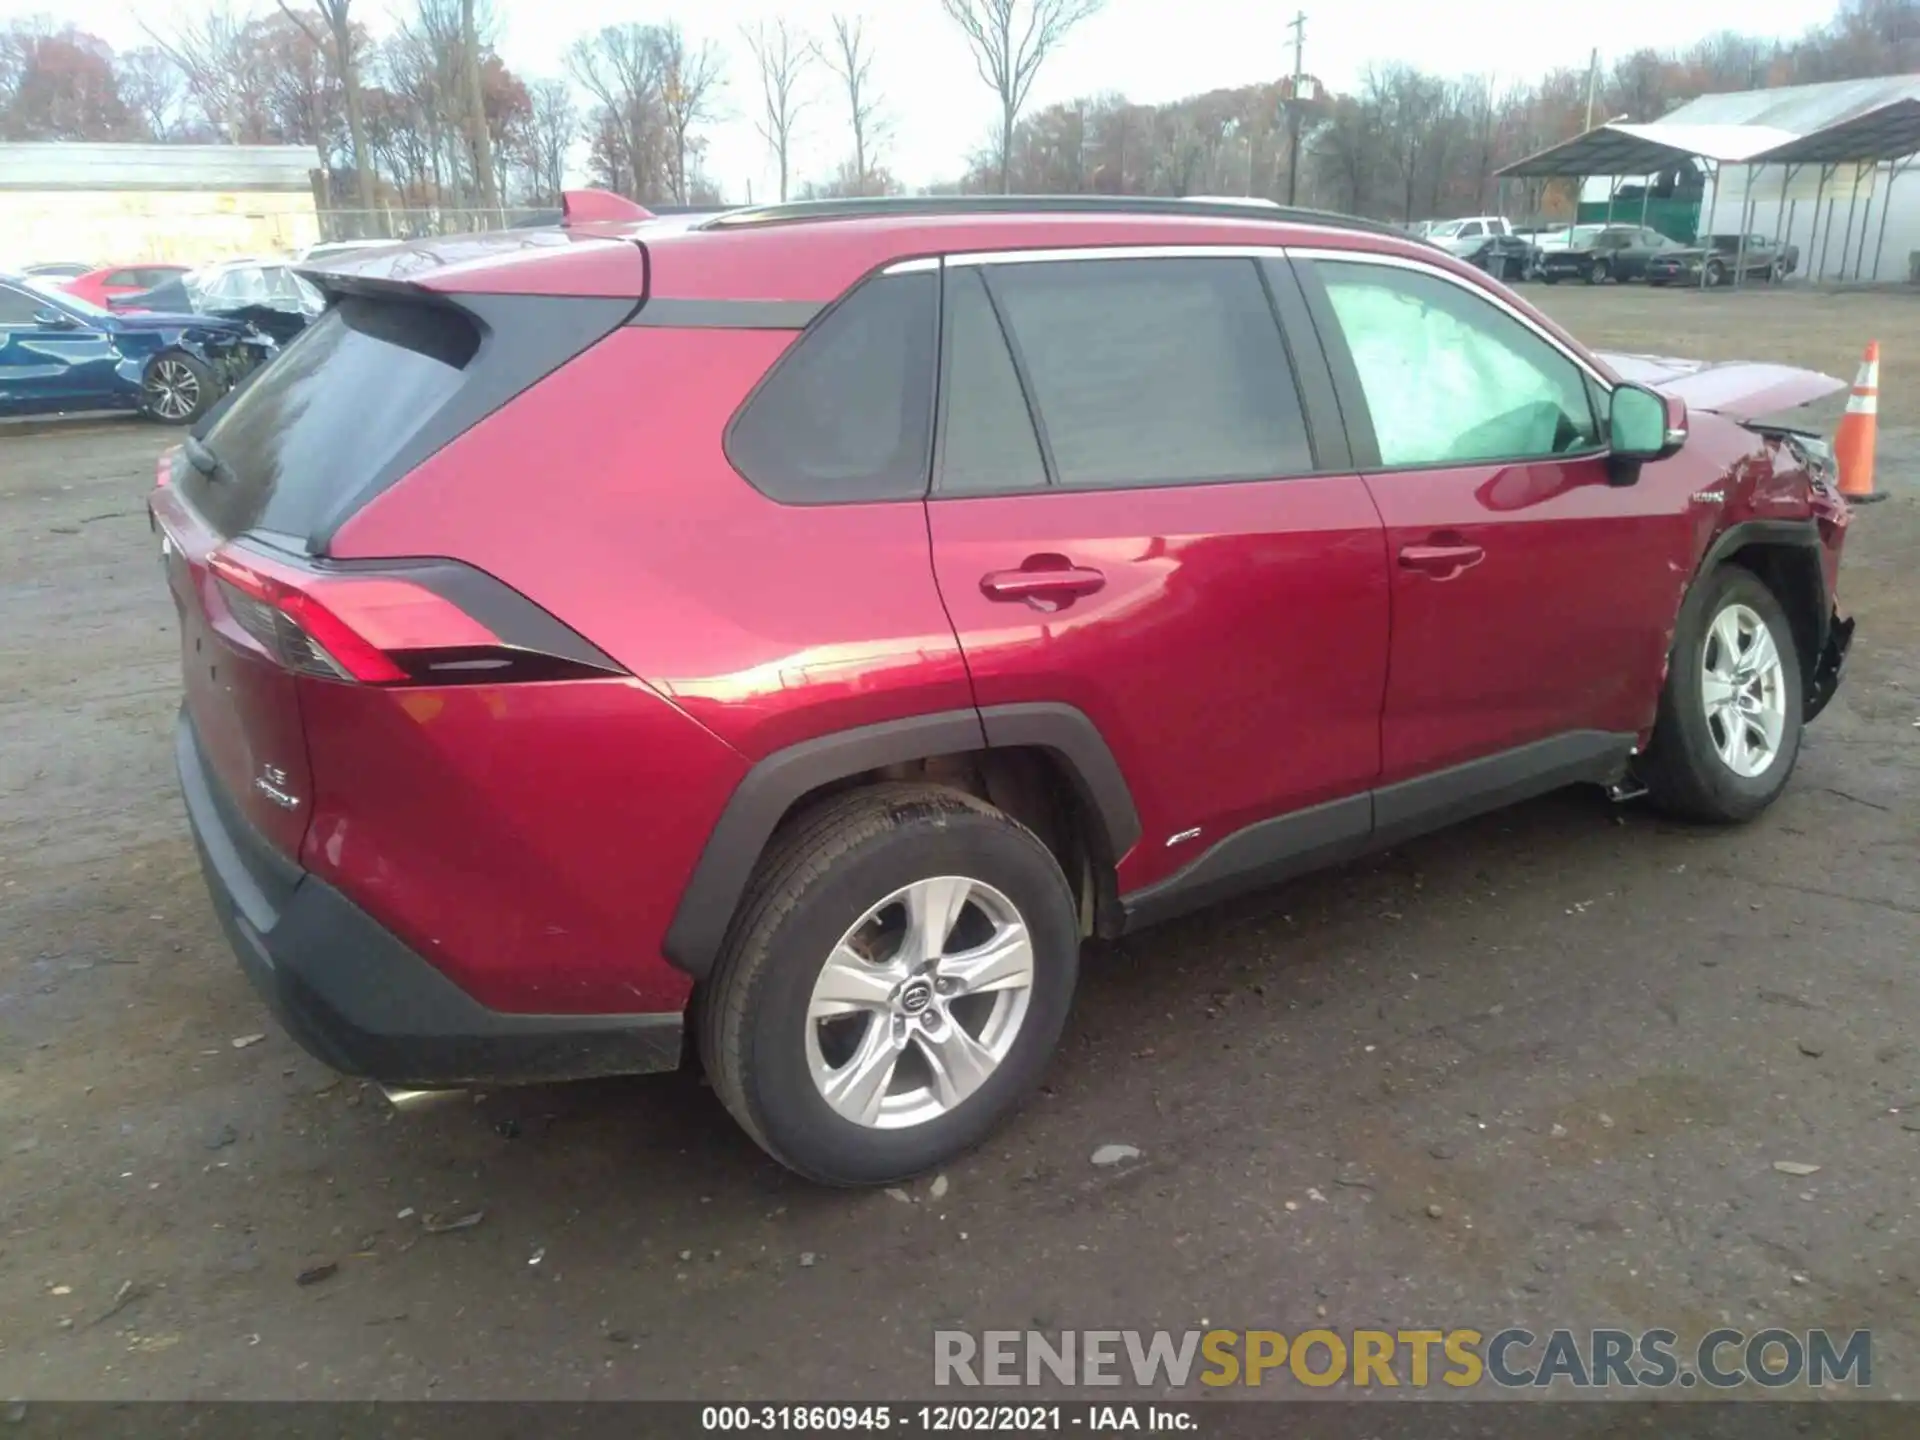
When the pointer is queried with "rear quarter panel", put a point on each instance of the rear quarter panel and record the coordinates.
(603, 494)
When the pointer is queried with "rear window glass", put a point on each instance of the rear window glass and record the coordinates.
(987, 442)
(1155, 372)
(325, 416)
(847, 413)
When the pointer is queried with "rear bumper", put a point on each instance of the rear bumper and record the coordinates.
(358, 998)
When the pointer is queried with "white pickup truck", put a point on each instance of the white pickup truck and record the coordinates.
(1488, 241)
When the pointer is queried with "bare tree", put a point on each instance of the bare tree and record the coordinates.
(1010, 40)
(782, 55)
(552, 122)
(478, 133)
(346, 65)
(850, 58)
(690, 80)
(620, 67)
(216, 54)
(155, 91)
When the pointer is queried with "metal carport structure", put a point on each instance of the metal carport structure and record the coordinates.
(1620, 148)
(1887, 134)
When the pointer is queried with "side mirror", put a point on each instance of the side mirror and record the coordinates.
(1641, 426)
(51, 319)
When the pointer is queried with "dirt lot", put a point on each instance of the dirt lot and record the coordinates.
(1533, 1071)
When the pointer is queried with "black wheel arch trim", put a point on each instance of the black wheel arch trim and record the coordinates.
(1785, 534)
(770, 789)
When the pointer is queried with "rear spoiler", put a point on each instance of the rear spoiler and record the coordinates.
(599, 207)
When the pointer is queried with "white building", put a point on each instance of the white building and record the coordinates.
(120, 203)
(1820, 167)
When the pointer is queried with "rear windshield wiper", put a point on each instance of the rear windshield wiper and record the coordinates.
(204, 460)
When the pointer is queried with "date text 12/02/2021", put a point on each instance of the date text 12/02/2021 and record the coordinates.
(939, 1419)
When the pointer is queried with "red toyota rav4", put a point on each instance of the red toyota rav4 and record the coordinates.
(805, 625)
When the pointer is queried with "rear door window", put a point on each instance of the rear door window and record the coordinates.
(988, 444)
(329, 413)
(847, 413)
(19, 308)
(1153, 371)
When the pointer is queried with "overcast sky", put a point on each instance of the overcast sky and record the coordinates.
(1152, 50)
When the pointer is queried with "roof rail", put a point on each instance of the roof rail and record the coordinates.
(882, 206)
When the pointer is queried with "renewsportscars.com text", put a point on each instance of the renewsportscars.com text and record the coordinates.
(1459, 1359)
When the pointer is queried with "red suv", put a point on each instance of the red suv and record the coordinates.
(804, 626)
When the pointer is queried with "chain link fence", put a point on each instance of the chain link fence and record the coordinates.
(395, 223)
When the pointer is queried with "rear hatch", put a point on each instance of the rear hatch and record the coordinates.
(389, 374)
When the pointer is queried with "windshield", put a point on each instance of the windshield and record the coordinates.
(64, 300)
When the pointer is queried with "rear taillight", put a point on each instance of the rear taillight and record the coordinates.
(393, 626)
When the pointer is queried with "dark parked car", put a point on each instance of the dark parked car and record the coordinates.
(1487, 242)
(739, 696)
(266, 295)
(1599, 253)
(60, 354)
(1719, 257)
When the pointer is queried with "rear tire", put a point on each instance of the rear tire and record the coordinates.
(1723, 680)
(805, 997)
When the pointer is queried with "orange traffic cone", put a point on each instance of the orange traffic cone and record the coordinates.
(1853, 442)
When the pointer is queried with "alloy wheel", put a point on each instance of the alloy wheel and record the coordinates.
(919, 1002)
(173, 390)
(1744, 691)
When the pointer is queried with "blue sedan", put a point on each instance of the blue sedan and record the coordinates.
(60, 354)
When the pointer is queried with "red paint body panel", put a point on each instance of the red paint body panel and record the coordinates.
(245, 706)
(93, 285)
(768, 624)
(529, 840)
(1233, 660)
(1557, 626)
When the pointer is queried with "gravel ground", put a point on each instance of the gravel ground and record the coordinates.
(1535, 1070)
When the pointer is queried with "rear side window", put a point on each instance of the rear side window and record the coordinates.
(122, 277)
(329, 413)
(847, 413)
(1153, 372)
(19, 308)
(987, 442)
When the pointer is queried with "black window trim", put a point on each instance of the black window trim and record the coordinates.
(1326, 438)
(1346, 376)
(885, 270)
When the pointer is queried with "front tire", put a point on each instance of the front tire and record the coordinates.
(1598, 272)
(1728, 730)
(178, 389)
(893, 985)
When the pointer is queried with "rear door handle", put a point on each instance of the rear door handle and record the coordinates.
(1441, 561)
(1040, 585)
